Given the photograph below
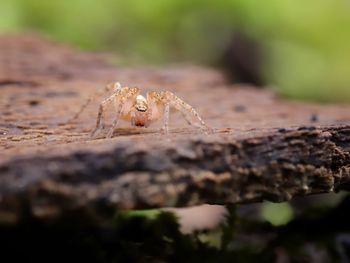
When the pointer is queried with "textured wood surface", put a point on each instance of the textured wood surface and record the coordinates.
(263, 147)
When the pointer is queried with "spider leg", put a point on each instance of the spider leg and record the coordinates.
(158, 108)
(116, 86)
(101, 111)
(187, 110)
(116, 119)
(119, 103)
(166, 118)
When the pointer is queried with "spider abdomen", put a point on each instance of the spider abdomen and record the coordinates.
(140, 119)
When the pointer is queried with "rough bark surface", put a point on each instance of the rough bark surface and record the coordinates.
(263, 147)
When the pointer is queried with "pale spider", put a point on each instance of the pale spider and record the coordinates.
(130, 105)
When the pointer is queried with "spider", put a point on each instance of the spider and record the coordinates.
(130, 105)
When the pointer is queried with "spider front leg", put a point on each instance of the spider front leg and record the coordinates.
(119, 108)
(188, 112)
(121, 103)
(166, 118)
(100, 124)
(115, 86)
(120, 97)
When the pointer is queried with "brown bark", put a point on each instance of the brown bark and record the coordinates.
(263, 147)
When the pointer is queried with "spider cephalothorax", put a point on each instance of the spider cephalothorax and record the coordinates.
(141, 103)
(141, 111)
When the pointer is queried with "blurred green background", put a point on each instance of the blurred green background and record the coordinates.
(306, 44)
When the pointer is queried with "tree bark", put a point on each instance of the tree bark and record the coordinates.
(263, 147)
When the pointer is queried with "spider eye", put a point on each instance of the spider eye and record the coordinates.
(141, 108)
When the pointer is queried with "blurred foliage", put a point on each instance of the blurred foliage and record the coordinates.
(306, 43)
(277, 214)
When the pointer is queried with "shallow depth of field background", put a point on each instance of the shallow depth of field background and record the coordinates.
(306, 44)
